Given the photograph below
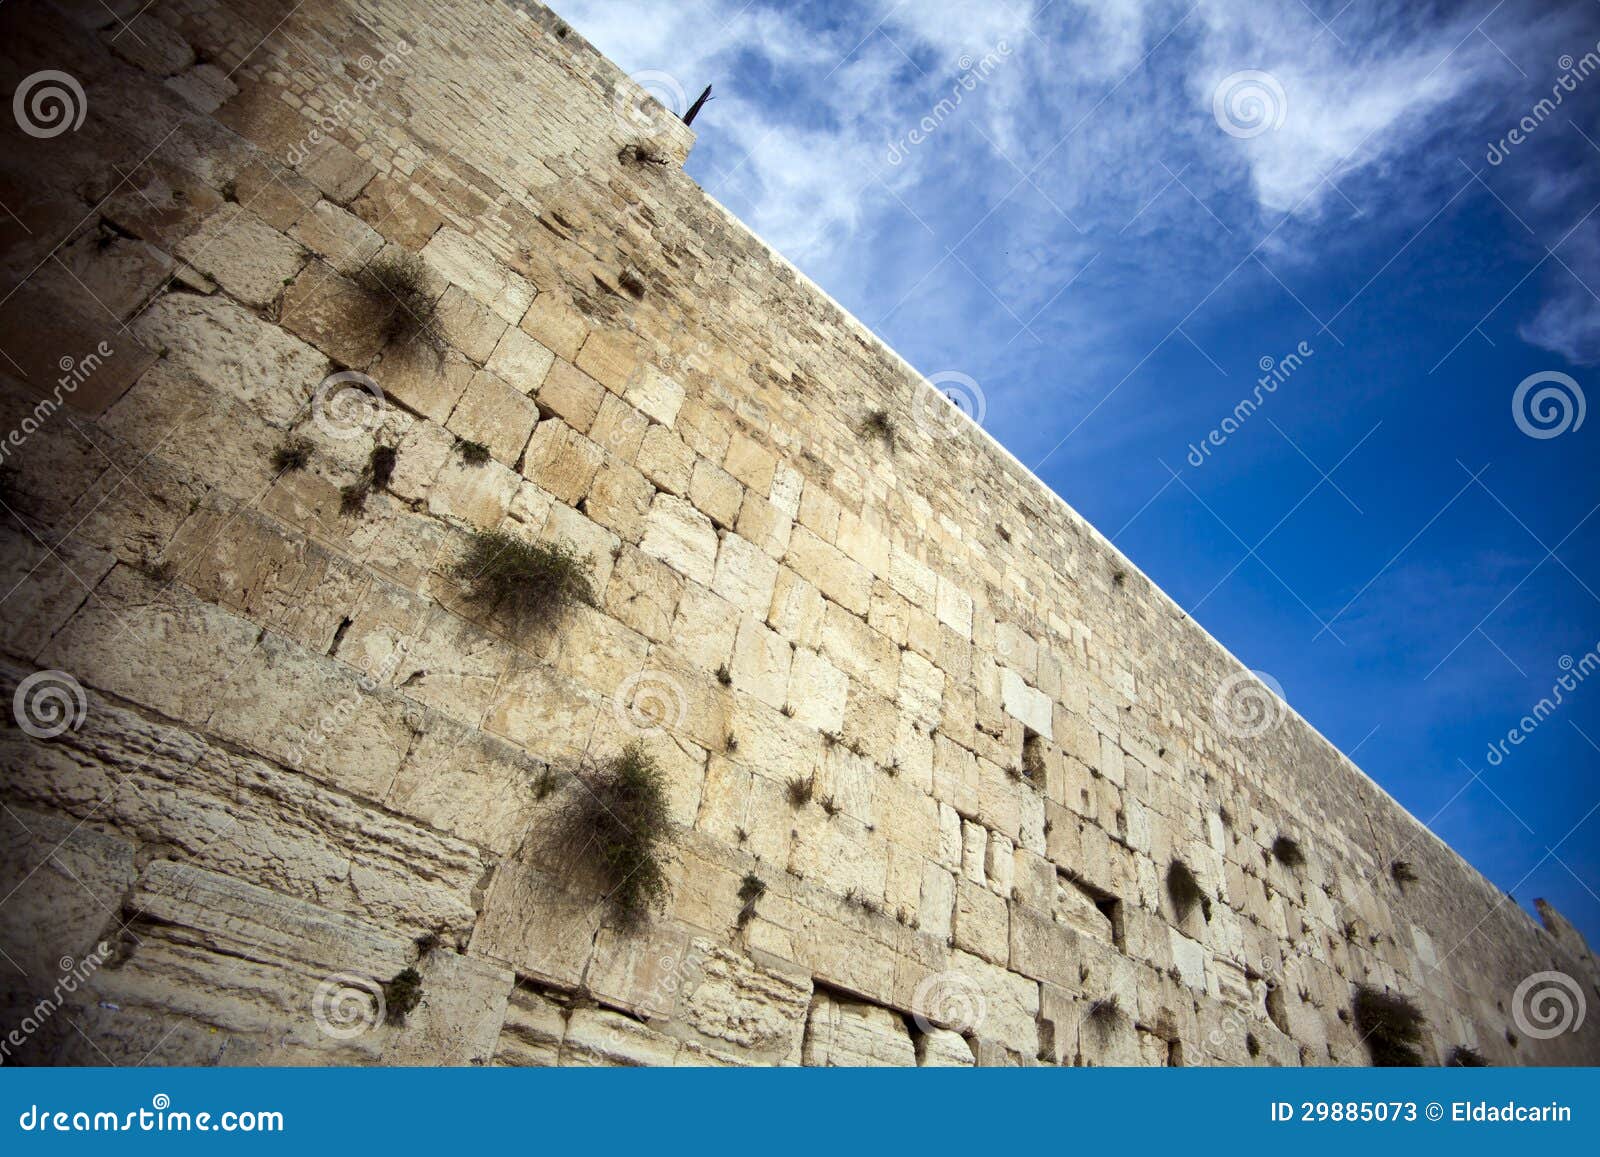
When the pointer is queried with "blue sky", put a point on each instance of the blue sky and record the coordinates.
(1132, 204)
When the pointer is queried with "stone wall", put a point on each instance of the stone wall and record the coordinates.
(291, 759)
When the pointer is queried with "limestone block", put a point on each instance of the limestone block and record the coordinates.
(611, 357)
(751, 463)
(467, 263)
(844, 1033)
(46, 586)
(619, 428)
(468, 324)
(704, 628)
(859, 651)
(950, 837)
(1008, 1013)
(665, 460)
(118, 274)
(571, 394)
(954, 607)
(534, 924)
(817, 691)
(998, 864)
(467, 783)
(736, 1002)
(338, 236)
(942, 1048)
(235, 353)
(341, 319)
(764, 524)
(496, 414)
(744, 576)
(936, 911)
(643, 594)
(556, 325)
(921, 688)
(523, 362)
(477, 494)
(428, 382)
(682, 537)
(187, 650)
(797, 609)
(1025, 703)
(532, 1032)
(640, 971)
(974, 850)
(651, 392)
(787, 486)
(845, 582)
(715, 492)
(619, 498)
(912, 581)
(64, 881)
(819, 513)
(545, 712)
(1190, 958)
(597, 651)
(600, 1037)
(955, 775)
(982, 924)
(247, 257)
(561, 460)
(458, 1019)
(761, 660)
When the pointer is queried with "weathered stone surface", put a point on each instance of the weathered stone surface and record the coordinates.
(842, 1033)
(243, 254)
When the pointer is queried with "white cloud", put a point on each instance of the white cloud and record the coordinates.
(1568, 323)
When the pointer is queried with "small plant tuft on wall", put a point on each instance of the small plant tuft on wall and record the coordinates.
(1461, 1057)
(1287, 852)
(472, 453)
(801, 788)
(1391, 1025)
(532, 581)
(880, 424)
(1402, 872)
(401, 995)
(293, 455)
(751, 889)
(401, 280)
(1185, 891)
(1105, 1012)
(617, 823)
